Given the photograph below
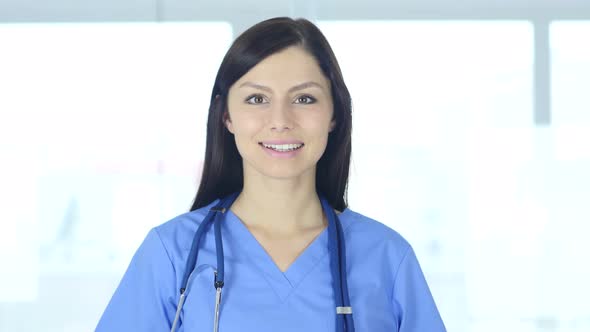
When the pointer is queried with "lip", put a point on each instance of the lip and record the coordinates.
(278, 154)
(282, 141)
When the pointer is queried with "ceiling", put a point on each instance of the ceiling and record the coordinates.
(254, 10)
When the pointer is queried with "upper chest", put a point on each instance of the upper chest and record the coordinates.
(283, 284)
(285, 249)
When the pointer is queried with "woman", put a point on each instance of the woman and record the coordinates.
(272, 199)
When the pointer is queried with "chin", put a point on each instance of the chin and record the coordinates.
(281, 172)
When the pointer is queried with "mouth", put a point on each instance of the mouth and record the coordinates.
(282, 147)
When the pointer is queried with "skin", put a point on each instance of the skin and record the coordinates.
(285, 96)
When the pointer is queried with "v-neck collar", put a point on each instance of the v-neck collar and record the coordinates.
(283, 283)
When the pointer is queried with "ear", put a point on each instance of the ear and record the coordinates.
(332, 125)
(227, 122)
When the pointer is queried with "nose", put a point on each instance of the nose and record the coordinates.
(281, 118)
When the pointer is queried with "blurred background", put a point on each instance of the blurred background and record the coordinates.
(471, 138)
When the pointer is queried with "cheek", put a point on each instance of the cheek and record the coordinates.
(245, 127)
(318, 124)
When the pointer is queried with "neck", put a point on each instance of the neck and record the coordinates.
(280, 205)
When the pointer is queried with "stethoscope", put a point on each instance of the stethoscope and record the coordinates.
(344, 320)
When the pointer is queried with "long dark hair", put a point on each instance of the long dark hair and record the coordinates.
(222, 169)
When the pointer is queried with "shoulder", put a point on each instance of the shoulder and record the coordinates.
(177, 233)
(373, 237)
(359, 225)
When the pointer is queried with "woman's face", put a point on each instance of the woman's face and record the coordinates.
(280, 113)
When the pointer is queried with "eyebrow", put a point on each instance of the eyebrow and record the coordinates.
(292, 89)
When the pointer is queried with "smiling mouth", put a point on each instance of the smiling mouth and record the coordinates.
(282, 147)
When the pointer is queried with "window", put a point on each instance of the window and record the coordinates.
(443, 129)
(102, 128)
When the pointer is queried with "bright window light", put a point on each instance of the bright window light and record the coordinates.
(443, 124)
(103, 127)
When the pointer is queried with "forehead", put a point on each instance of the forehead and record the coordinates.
(288, 67)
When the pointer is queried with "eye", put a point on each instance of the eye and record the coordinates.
(256, 99)
(305, 99)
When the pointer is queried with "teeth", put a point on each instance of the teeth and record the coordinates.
(282, 147)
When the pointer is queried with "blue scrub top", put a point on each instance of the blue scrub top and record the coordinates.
(387, 288)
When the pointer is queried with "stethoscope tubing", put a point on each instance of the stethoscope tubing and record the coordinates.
(344, 320)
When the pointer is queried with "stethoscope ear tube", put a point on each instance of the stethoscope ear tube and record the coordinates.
(346, 308)
(192, 256)
(178, 310)
(344, 320)
(222, 207)
(190, 266)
